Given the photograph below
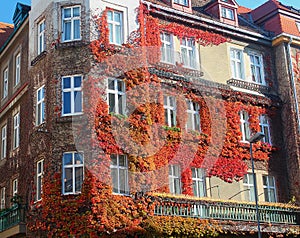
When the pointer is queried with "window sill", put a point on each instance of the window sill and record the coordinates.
(38, 58)
(177, 69)
(70, 118)
(249, 85)
(70, 44)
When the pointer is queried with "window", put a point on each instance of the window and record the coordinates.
(257, 72)
(116, 96)
(236, 59)
(193, 122)
(18, 68)
(16, 131)
(119, 174)
(174, 179)
(115, 26)
(269, 189)
(182, 2)
(227, 13)
(3, 141)
(15, 187)
(71, 23)
(170, 110)
(72, 172)
(249, 187)
(265, 128)
(245, 129)
(39, 179)
(198, 177)
(40, 106)
(188, 53)
(41, 37)
(298, 25)
(5, 83)
(166, 48)
(2, 195)
(72, 95)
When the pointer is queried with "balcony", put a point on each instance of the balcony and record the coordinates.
(274, 217)
(12, 221)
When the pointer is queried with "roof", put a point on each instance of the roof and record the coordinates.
(243, 10)
(268, 16)
(5, 31)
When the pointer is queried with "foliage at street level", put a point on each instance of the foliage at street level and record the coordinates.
(96, 211)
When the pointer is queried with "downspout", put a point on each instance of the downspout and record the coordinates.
(293, 84)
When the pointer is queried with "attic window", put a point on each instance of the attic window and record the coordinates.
(182, 2)
(298, 25)
(227, 13)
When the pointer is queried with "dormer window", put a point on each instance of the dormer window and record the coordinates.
(227, 13)
(182, 2)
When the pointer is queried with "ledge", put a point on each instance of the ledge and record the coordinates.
(248, 85)
(38, 58)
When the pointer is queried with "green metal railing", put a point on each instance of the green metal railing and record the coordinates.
(225, 211)
(11, 217)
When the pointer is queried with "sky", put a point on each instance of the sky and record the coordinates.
(7, 8)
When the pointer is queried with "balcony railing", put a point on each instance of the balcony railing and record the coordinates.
(209, 209)
(11, 217)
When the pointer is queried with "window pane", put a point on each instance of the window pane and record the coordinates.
(77, 29)
(123, 181)
(122, 160)
(66, 82)
(76, 12)
(114, 176)
(109, 16)
(78, 101)
(78, 158)
(78, 179)
(111, 84)
(68, 159)
(112, 103)
(118, 35)
(120, 86)
(68, 180)
(67, 30)
(67, 102)
(67, 12)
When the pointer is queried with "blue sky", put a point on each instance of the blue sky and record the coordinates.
(8, 6)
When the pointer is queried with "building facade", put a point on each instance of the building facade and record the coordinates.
(132, 119)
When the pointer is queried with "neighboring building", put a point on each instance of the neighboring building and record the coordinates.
(132, 119)
(15, 120)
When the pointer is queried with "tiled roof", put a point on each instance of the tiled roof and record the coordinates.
(288, 25)
(243, 10)
(5, 31)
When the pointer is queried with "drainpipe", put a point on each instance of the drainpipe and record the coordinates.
(292, 76)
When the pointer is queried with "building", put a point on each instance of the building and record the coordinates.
(136, 115)
(14, 119)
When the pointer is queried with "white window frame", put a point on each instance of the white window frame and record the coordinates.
(227, 13)
(193, 113)
(264, 124)
(182, 2)
(199, 182)
(5, 83)
(15, 187)
(175, 179)
(73, 167)
(167, 48)
(18, 69)
(249, 187)
(40, 105)
(189, 46)
(113, 25)
(72, 91)
(117, 167)
(41, 36)
(39, 179)
(72, 20)
(257, 69)
(170, 110)
(244, 125)
(2, 195)
(269, 187)
(3, 141)
(16, 141)
(117, 95)
(237, 64)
